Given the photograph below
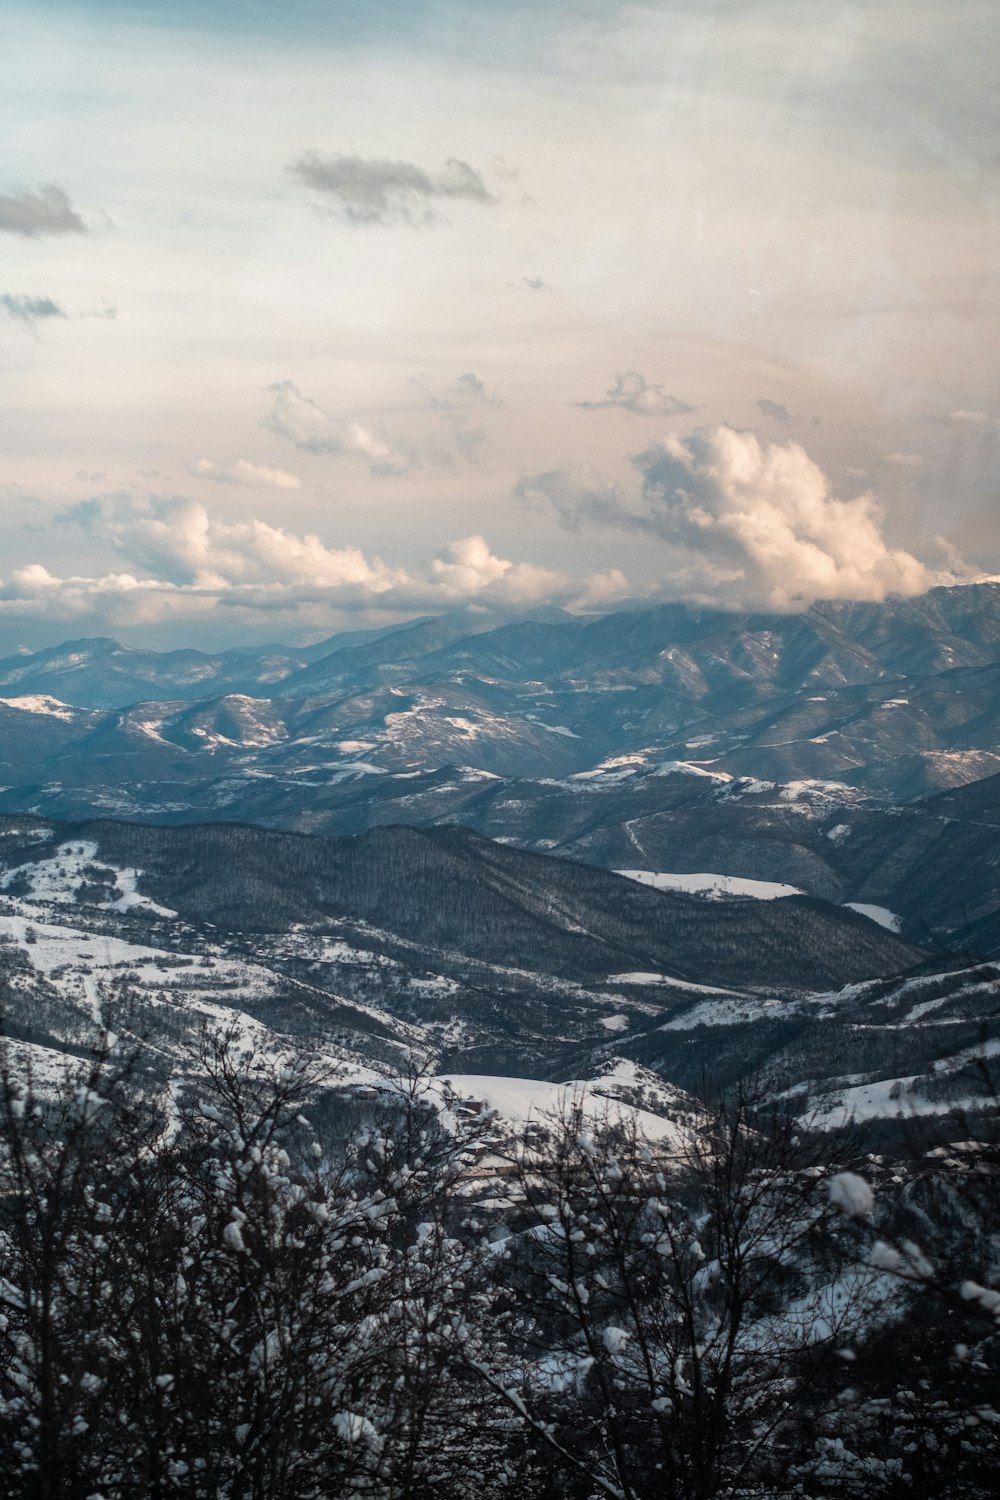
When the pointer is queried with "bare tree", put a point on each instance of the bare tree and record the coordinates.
(660, 1334)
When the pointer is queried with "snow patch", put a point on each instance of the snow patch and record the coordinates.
(524, 1099)
(880, 914)
(688, 768)
(712, 885)
(640, 976)
(41, 703)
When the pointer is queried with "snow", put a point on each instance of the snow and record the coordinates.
(59, 877)
(883, 1098)
(880, 914)
(823, 792)
(852, 1194)
(688, 768)
(127, 882)
(524, 1099)
(343, 768)
(640, 976)
(987, 1298)
(232, 1237)
(436, 984)
(615, 768)
(712, 885)
(615, 1023)
(725, 1012)
(41, 703)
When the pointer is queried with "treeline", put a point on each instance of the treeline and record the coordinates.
(213, 1291)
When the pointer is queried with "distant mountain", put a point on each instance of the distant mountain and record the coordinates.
(808, 750)
(899, 698)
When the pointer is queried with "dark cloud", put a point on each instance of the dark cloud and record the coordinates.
(578, 504)
(471, 387)
(379, 191)
(633, 392)
(45, 211)
(28, 309)
(775, 410)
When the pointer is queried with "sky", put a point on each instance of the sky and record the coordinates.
(329, 314)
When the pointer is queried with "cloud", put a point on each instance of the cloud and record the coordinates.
(28, 309)
(979, 420)
(379, 191)
(578, 501)
(775, 410)
(465, 390)
(467, 570)
(180, 562)
(303, 422)
(751, 524)
(456, 438)
(904, 460)
(45, 211)
(469, 387)
(536, 283)
(633, 392)
(244, 472)
(177, 540)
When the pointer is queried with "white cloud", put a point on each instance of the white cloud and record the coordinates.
(304, 422)
(904, 460)
(183, 563)
(178, 541)
(975, 419)
(467, 569)
(750, 524)
(244, 472)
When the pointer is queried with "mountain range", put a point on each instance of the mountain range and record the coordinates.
(704, 843)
